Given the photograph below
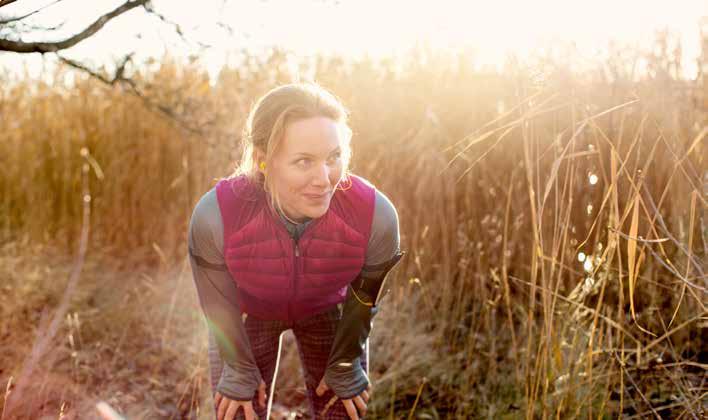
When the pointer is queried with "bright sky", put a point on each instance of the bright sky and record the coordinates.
(491, 28)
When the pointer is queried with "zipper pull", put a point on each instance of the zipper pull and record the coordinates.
(297, 250)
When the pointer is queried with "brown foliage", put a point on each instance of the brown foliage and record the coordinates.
(490, 172)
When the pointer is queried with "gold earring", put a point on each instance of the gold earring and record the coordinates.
(262, 166)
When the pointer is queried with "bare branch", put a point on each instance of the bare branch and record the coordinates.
(222, 24)
(162, 17)
(117, 77)
(6, 2)
(45, 47)
(25, 27)
(177, 27)
(16, 18)
(225, 27)
(16, 25)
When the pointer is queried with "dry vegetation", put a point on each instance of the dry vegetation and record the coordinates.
(500, 179)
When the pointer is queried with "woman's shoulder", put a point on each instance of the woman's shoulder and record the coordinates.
(206, 208)
(237, 189)
(385, 214)
(384, 241)
(206, 226)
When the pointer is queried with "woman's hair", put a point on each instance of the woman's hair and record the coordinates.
(271, 114)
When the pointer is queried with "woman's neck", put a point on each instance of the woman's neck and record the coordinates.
(292, 221)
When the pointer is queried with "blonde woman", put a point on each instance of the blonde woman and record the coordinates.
(292, 240)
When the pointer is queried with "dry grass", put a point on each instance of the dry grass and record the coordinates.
(492, 313)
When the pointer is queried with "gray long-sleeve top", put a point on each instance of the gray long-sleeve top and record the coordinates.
(234, 364)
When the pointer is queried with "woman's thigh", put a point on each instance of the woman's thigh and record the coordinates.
(264, 337)
(314, 336)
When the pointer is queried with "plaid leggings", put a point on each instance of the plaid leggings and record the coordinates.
(314, 336)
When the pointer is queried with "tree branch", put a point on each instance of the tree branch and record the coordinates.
(6, 2)
(118, 78)
(178, 29)
(25, 27)
(162, 17)
(16, 18)
(45, 47)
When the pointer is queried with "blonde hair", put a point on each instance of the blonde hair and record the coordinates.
(270, 116)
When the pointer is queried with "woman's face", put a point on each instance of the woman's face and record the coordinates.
(307, 167)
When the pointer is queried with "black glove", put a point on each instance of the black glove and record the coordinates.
(344, 373)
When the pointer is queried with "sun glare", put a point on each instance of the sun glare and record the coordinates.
(490, 31)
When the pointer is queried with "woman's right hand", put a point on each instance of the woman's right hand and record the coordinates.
(226, 408)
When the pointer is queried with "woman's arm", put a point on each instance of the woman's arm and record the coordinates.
(216, 288)
(344, 373)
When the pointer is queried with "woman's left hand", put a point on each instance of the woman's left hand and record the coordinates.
(355, 406)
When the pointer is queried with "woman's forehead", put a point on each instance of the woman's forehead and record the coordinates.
(312, 136)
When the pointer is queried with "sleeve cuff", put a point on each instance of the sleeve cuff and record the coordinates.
(347, 381)
(239, 386)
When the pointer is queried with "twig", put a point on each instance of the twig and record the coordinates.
(638, 391)
(118, 78)
(572, 302)
(46, 333)
(16, 18)
(417, 397)
(6, 2)
(54, 46)
(661, 261)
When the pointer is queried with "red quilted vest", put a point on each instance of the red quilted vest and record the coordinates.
(278, 278)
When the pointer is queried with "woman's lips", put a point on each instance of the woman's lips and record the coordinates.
(316, 197)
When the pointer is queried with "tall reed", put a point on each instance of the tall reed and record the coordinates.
(554, 221)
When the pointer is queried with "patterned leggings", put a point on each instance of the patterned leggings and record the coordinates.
(314, 336)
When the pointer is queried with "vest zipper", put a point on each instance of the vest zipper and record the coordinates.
(295, 271)
(296, 256)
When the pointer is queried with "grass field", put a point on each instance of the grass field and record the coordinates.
(554, 221)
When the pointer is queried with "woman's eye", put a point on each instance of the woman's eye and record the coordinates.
(306, 162)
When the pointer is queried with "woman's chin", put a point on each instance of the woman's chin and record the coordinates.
(314, 212)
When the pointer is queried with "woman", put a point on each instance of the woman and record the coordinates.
(292, 241)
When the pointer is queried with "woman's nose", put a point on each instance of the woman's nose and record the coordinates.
(321, 177)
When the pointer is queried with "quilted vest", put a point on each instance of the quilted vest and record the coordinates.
(278, 278)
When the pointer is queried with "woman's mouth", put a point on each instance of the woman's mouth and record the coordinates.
(316, 197)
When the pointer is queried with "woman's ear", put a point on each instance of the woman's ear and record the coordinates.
(259, 159)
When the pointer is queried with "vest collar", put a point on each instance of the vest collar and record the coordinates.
(294, 229)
